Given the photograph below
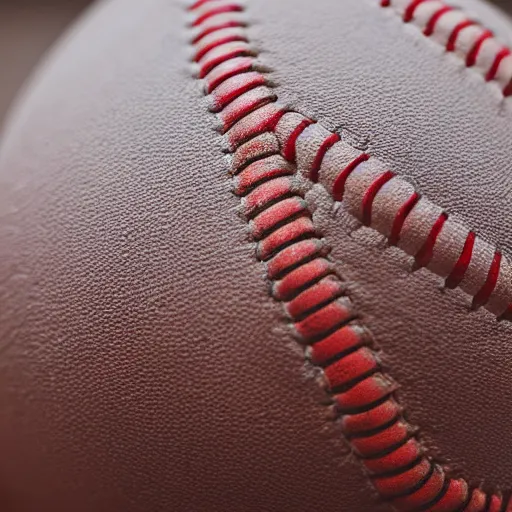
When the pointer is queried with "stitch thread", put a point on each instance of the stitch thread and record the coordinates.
(496, 65)
(267, 144)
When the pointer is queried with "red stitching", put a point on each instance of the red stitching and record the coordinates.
(226, 70)
(485, 292)
(320, 294)
(210, 30)
(256, 173)
(491, 74)
(488, 69)
(235, 86)
(244, 105)
(338, 343)
(411, 9)
(432, 22)
(396, 485)
(349, 369)
(262, 120)
(284, 236)
(227, 39)
(426, 252)
(326, 144)
(377, 418)
(306, 275)
(338, 188)
(462, 265)
(217, 10)
(425, 496)
(370, 194)
(199, 3)
(452, 40)
(289, 148)
(473, 54)
(313, 293)
(219, 55)
(401, 217)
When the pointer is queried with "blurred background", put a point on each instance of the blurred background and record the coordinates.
(29, 27)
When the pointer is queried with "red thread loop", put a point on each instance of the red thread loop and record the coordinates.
(198, 4)
(425, 254)
(473, 54)
(326, 144)
(432, 22)
(411, 8)
(401, 216)
(289, 148)
(372, 191)
(462, 265)
(217, 10)
(452, 40)
(485, 292)
(338, 188)
(491, 74)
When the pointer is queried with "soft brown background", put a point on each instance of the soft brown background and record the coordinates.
(29, 27)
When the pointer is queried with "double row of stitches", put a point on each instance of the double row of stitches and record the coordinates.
(265, 141)
(469, 40)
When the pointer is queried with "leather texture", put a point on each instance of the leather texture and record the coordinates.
(143, 365)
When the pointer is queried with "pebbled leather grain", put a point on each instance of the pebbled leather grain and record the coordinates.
(432, 120)
(143, 365)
